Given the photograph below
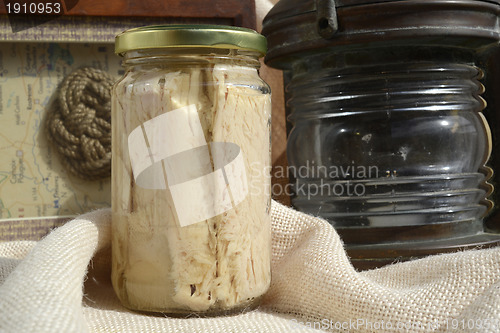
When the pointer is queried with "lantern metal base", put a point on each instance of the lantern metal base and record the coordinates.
(364, 257)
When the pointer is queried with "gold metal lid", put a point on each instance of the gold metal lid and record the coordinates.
(170, 36)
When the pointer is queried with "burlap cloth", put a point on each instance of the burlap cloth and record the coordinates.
(49, 286)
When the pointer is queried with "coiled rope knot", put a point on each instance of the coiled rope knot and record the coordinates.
(79, 123)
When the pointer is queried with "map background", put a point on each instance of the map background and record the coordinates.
(33, 182)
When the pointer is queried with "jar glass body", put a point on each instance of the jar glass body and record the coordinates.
(190, 181)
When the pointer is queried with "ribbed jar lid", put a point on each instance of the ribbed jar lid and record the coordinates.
(295, 28)
(180, 35)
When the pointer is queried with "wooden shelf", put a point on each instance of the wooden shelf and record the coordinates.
(231, 12)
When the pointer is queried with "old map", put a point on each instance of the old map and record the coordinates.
(33, 182)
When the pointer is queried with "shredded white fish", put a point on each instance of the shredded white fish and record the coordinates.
(219, 263)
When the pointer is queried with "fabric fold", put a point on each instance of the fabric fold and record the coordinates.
(49, 286)
(44, 292)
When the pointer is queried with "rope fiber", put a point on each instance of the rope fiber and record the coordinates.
(79, 123)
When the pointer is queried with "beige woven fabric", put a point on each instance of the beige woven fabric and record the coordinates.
(45, 287)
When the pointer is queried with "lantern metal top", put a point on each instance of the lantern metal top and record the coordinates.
(296, 28)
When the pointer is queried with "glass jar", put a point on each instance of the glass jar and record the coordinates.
(191, 170)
